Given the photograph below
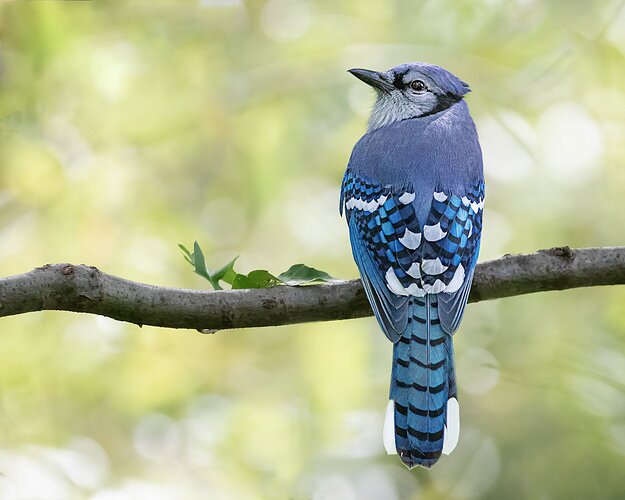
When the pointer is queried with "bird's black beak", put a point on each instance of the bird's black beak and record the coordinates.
(373, 78)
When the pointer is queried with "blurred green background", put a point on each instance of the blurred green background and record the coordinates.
(129, 127)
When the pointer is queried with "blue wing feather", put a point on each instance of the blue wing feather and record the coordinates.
(451, 305)
(390, 310)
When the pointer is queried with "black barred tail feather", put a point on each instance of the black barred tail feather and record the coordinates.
(422, 419)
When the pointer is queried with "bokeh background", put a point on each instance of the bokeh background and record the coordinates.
(129, 127)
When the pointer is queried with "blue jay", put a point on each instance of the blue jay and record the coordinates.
(413, 195)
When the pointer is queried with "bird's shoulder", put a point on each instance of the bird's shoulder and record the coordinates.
(439, 150)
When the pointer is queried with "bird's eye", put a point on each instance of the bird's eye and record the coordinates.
(418, 86)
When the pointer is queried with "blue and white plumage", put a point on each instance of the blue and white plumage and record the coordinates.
(413, 196)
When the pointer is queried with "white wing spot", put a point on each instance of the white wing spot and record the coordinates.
(433, 266)
(434, 233)
(407, 198)
(437, 287)
(414, 270)
(393, 284)
(370, 206)
(367, 206)
(440, 196)
(456, 282)
(410, 240)
(476, 207)
(416, 291)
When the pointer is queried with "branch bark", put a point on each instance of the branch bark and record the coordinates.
(86, 289)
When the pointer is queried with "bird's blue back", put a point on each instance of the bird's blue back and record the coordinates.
(440, 150)
(413, 195)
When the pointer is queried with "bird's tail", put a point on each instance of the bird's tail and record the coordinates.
(422, 419)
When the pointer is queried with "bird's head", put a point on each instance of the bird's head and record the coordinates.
(410, 90)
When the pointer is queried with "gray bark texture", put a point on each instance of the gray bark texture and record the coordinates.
(80, 288)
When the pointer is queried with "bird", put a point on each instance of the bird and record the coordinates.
(413, 197)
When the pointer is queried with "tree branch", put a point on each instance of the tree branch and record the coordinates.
(85, 289)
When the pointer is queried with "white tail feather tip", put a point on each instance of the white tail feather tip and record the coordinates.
(388, 431)
(452, 428)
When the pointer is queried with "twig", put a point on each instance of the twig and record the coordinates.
(81, 288)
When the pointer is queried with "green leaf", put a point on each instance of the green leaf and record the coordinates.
(186, 254)
(226, 273)
(300, 274)
(198, 261)
(185, 250)
(256, 279)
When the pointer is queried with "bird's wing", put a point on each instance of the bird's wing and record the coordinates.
(399, 258)
(364, 201)
(460, 217)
